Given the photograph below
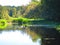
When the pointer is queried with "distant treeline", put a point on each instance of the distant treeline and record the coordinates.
(47, 9)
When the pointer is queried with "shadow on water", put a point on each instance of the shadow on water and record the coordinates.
(49, 36)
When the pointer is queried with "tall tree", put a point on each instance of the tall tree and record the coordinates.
(14, 12)
(51, 9)
(0, 11)
(21, 10)
(4, 13)
(32, 11)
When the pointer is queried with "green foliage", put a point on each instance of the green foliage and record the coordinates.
(4, 13)
(20, 20)
(3, 23)
(14, 12)
(45, 9)
(31, 10)
(50, 9)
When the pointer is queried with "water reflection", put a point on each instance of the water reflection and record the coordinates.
(32, 35)
(49, 36)
(16, 37)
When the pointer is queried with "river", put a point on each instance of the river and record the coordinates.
(32, 35)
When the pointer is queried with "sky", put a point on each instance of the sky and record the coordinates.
(14, 2)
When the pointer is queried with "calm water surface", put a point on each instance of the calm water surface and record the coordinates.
(15, 36)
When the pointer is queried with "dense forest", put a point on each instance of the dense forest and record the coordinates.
(6, 12)
(37, 12)
(47, 9)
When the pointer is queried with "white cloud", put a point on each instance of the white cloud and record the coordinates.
(14, 2)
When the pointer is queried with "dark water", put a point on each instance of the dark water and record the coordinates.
(49, 36)
(32, 35)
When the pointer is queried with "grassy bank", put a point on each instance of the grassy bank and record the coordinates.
(26, 22)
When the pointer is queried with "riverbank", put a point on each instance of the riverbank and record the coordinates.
(30, 22)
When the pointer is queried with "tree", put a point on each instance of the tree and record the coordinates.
(4, 13)
(50, 9)
(0, 12)
(14, 12)
(32, 10)
(21, 10)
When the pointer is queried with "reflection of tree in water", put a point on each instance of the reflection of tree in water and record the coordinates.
(0, 31)
(50, 36)
(32, 34)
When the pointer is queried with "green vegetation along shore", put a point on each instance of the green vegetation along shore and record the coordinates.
(37, 12)
(3, 23)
